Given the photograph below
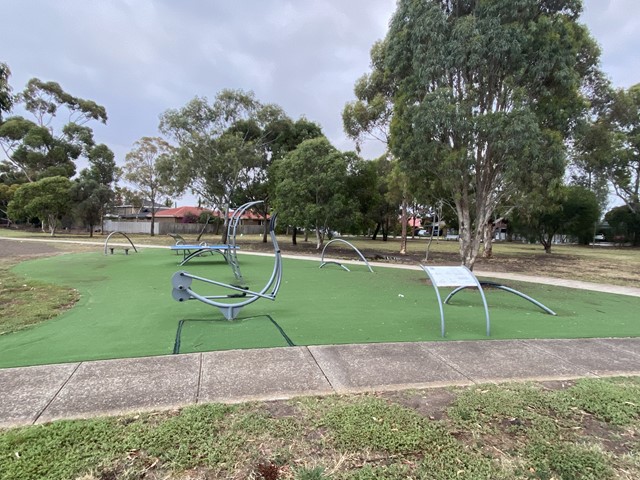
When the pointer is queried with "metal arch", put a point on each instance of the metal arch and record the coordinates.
(323, 263)
(507, 289)
(440, 303)
(232, 230)
(182, 281)
(106, 242)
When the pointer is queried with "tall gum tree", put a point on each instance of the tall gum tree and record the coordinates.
(220, 145)
(6, 97)
(311, 190)
(369, 117)
(149, 167)
(623, 166)
(57, 136)
(487, 93)
(48, 199)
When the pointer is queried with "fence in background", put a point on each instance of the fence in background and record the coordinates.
(162, 228)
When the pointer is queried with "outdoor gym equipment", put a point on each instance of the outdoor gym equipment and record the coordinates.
(324, 262)
(192, 251)
(112, 248)
(231, 304)
(461, 277)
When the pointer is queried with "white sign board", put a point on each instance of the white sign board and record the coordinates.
(460, 277)
(451, 276)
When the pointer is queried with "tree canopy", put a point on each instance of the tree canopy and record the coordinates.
(48, 199)
(311, 189)
(486, 95)
(149, 166)
(220, 144)
(6, 98)
(46, 147)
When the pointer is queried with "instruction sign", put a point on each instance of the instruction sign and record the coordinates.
(451, 276)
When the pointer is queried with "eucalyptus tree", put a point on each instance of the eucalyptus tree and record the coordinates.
(573, 210)
(311, 189)
(149, 166)
(6, 194)
(47, 145)
(47, 199)
(625, 225)
(221, 145)
(93, 190)
(6, 98)
(486, 95)
(281, 136)
(623, 166)
(369, 117)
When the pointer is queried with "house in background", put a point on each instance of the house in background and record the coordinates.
(181, 215)
(131, 212)
(178, 220)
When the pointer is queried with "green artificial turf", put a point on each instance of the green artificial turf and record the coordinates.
(126, 309)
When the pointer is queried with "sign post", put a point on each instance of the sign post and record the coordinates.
(455, 277)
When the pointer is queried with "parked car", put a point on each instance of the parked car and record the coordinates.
(599, 237)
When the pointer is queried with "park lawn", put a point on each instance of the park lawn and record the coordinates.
(587, 429)
(126, 309)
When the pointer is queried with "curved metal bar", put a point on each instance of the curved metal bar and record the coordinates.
(232, 230)
(507, 289)
(468, 277)
(435, 287)
(335, 263)
(199, 250)
(182, 280)
(106, 242)
(323, 263)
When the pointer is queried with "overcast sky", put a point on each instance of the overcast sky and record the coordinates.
(138, 58)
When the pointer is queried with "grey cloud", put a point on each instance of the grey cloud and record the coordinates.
(140, 57)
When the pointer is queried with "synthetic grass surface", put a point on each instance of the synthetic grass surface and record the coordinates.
(126, 309)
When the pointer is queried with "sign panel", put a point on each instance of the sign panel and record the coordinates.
(451, 276)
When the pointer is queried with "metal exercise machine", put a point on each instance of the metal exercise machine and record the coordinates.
(231, 303)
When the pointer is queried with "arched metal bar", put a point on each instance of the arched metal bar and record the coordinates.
(192, 251)
(106, 242)
(182, 281)
(334, 263)
(232, 230)
(507, 289)
(449, 277)
(323, 263)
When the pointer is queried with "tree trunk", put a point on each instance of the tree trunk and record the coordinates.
(204, 227)
(265, 230)
(52, 224)
(426, 253)
(546, 241)
(90, 231)
(294, 236)
(488, 240)
(375, 232)
(403, 220)
(319, 238)
(469, 239)
(153, 216)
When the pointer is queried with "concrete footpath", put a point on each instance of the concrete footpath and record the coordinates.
(40, 394)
